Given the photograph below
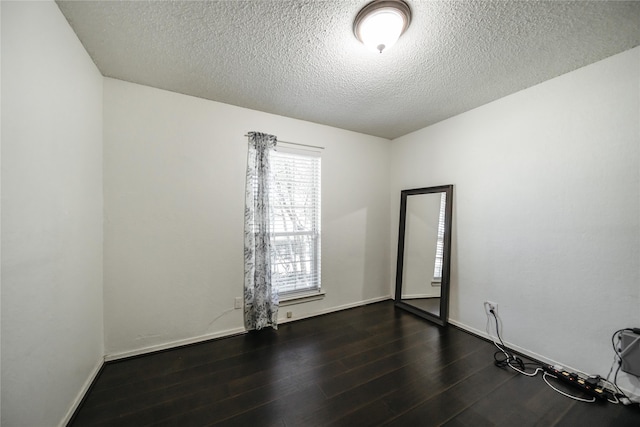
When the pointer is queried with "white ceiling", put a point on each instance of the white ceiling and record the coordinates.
(300, 59)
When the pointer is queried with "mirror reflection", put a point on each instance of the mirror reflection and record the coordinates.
(424, 237)
(422, 276)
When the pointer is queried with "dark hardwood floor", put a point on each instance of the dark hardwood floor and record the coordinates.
(367, 366)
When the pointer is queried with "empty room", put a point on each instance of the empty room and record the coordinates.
(217, 213)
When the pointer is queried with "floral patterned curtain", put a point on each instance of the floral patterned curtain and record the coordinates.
(260, 298)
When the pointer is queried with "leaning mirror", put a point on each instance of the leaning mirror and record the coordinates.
(424, 252)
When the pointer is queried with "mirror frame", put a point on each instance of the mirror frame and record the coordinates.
(446, 256)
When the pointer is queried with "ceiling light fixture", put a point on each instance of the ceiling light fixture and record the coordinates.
(380, 23)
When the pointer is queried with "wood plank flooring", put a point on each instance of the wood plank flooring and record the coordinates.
(368, 366)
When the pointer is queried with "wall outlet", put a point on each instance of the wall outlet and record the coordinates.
(488, 306)
(238, 303)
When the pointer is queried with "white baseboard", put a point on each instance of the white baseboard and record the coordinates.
(231, 332)
(193, 340)
(531, 354)
(237, 331)
(172, 344)
(81, 393)
(334, 309)
(524, 351)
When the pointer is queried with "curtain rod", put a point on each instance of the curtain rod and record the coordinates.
(297, 143)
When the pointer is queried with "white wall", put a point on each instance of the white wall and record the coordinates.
(174, 174)
(52, 325)
(546, 210)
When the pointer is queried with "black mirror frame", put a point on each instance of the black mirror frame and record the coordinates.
(446, 256)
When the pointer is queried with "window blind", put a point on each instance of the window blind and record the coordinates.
(437, 271)
(295, 200)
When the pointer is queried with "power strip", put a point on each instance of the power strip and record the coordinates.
(588, 385)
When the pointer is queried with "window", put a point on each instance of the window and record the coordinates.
(295, 199)
(437, 271)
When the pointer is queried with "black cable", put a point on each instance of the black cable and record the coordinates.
(617, 333)
(505, 358)
(509, 357)
(493, 313)
(615, 377)
(500, 363)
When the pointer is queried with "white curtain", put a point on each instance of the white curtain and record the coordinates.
(260, 298)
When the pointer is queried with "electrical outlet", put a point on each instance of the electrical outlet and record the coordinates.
(238, 303)
(488, 306)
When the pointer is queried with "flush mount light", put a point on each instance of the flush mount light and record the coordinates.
(380, 23)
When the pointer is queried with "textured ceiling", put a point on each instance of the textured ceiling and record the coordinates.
(300, 59)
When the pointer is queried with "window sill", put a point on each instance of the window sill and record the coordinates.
(301, 297)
